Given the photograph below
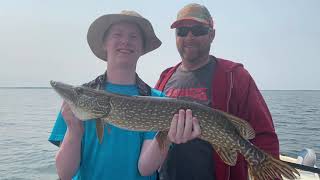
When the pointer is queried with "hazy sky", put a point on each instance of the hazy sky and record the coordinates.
(278, 41)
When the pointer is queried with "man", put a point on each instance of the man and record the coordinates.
(218, 83)
(118, 39)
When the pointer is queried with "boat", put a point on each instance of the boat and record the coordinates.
(305, 163)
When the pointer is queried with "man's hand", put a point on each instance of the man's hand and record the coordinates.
(184, 127)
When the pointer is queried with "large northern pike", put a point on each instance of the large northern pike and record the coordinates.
(226, 133)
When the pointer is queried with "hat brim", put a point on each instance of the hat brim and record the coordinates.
(102, 24)
(180, 22)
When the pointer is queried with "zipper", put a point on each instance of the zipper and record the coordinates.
(228, 177)
(228, 103)
(230, 90)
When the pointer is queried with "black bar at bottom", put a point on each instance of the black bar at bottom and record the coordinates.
(303, 167)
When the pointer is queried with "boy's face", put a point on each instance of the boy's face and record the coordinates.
(123, 43)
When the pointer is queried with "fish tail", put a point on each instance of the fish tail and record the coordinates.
(271, 168)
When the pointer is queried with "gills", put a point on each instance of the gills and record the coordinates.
(227, 134)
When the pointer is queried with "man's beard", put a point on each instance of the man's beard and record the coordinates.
(194, 58)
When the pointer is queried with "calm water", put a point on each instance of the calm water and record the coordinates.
(27, 116)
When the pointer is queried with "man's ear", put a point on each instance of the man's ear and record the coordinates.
(212, 34)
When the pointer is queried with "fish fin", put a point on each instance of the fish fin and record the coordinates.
(229, 156)
(100, 129)
(271, 168)
(162, 139)
(244, 128)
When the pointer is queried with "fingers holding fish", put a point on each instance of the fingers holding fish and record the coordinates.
(180, 126)
(184, 127)
(187, 130)
(196, 132)
(173, 128)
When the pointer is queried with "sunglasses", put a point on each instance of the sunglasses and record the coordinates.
(197, 30)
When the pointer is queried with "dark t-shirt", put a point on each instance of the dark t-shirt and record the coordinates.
(192, 160)
(191, 85)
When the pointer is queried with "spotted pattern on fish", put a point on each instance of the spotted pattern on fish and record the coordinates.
(226, 133)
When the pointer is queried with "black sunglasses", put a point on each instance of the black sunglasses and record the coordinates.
(197, 30)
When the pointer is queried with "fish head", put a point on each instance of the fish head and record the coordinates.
(85, 103)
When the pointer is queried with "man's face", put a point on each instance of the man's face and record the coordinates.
(123, 44)
(190, 46)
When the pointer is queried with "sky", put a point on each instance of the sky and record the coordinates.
(277, 41)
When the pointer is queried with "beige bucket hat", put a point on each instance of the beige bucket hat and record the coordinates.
(98, 28)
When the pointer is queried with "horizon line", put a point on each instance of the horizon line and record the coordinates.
(44, 87)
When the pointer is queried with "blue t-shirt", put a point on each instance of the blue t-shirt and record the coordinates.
(116, 158)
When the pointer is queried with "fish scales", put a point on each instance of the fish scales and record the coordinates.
(147, 114)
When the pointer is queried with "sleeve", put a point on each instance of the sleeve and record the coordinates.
(252, 107)
(149, 135)
(161, 78)
(261, 120)
(58, 130)
(157, 93)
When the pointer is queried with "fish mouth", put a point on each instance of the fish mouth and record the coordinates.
(54, 84)
(59, 86)
(64, 90)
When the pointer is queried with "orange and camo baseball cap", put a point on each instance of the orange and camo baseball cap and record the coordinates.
(194, 12)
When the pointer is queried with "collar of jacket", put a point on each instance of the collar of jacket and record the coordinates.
(99, 83)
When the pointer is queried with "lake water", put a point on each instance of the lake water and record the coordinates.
(27, 116)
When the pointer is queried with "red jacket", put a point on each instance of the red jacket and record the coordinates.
(237, 94)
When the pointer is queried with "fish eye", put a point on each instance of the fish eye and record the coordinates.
(78, 90)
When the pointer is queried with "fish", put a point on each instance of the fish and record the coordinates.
(228, 134)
